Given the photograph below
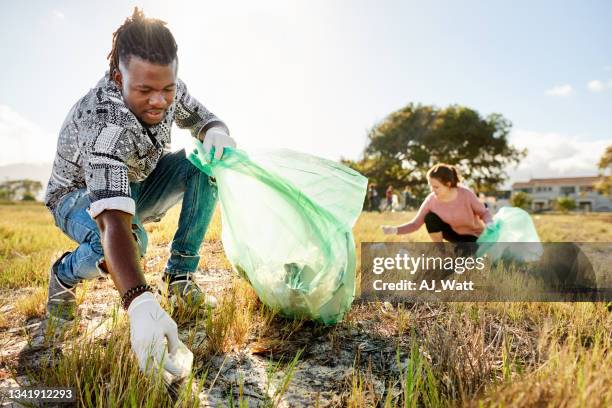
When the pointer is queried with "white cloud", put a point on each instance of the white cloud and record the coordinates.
(596, 85)
(58, 14)
(560, 90)
(22, 140)
(555, 155)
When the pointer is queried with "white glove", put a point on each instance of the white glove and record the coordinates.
(218, 138)
(149, 324)
(389, 230)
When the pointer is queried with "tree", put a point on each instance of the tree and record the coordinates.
(13, 190)
(521, 200)
(565, 204)
(28, 197)
(605, 166)
(404, 145)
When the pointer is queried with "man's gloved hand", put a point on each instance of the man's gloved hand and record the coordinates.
(389, 230)
(149, 324)
(218, 138)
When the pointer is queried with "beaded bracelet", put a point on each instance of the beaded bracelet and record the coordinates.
(132, 293)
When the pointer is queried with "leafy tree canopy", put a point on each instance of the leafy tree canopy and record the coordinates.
(404, 145)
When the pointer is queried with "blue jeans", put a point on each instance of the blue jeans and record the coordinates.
(173, 179)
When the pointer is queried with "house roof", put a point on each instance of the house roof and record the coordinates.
(566, 181)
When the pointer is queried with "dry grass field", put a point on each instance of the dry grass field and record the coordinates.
(444, 354)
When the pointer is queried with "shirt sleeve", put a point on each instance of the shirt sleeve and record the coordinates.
(418, 220)
(106, 171)
(191, 114)
(479, 209)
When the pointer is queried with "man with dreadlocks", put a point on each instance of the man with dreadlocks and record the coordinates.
(113, 172)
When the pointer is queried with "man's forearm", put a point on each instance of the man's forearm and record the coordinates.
(121, 252)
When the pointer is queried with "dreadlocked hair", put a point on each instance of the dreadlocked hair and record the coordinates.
(146, 38)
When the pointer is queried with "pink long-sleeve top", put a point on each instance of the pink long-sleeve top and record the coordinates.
(465, 214)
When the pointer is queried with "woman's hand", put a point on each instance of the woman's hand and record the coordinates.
(389, 230)
(491, 225)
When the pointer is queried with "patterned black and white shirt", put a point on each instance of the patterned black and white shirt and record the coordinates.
(103, 147)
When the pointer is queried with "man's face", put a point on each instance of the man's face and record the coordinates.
(148, 89)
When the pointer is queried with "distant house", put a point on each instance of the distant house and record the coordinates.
(544, 193)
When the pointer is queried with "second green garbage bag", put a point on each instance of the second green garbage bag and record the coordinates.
(287, 221)
(512, 236)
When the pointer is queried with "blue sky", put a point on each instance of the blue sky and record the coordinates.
(315, 75)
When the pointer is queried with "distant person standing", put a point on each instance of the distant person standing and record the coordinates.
(389, 198)
(407, 197)
(395, 202)
(372, 196)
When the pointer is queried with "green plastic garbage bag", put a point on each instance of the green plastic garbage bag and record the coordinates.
(287, 222)
(512, 236)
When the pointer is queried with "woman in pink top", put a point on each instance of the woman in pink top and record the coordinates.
(451, 212)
